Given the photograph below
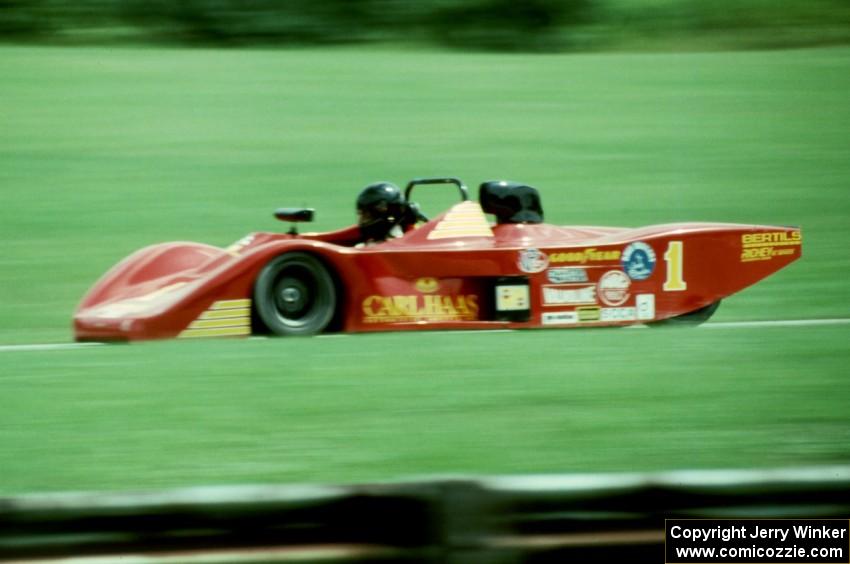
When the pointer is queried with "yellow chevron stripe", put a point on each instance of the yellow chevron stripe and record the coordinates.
(224, 318)
(208, 323)
(231, 304)
(454, 226)
(226, 313)
(461, 223)
(216, 332)
(465, 220)
(465, 214)
(445, 234)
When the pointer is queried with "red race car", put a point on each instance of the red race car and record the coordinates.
(456, 271)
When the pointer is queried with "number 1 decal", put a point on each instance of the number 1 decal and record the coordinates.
(674, 257)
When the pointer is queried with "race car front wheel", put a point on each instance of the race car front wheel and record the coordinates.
(295, 295)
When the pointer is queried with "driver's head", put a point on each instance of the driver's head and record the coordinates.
(380, 207)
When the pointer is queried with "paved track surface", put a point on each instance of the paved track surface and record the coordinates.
(718, 325)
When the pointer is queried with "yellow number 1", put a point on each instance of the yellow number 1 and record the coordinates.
(674, 258)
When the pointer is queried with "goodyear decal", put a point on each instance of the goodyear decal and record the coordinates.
(432, 307)
(585, 256)
(765, 246)
(224, 318)
(464, 220)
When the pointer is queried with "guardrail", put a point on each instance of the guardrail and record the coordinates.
(482, 520)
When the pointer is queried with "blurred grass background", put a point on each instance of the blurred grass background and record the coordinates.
(373, 407)
(103, 151)
(531, 25)
(114, 136)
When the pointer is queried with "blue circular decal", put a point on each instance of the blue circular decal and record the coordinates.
(638, 260)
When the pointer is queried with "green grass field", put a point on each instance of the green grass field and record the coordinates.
(103, 151)
(386, 406)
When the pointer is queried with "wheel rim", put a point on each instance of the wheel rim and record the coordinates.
(295, 295)
(296, 303)
(292, 298)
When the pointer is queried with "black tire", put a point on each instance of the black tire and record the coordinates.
(295, 295)
(690, 319)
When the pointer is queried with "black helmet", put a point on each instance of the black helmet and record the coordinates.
(380, 207)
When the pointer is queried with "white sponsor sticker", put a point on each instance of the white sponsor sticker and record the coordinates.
(617, 314)
(559, 318)
(645, 304)
(614, 288)
(555, 295)
(512, 298)
(532, 260)
(566, 275)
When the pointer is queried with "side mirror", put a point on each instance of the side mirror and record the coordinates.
(294, 215)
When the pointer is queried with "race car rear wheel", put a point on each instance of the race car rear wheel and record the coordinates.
(690, 319)
(295, 295)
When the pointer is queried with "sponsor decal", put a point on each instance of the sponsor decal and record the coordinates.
(617, 314)
(512, 298)
(559, 318)
(224, 318)
(566, 274)
(585, 256)
(588, 313)
(763, 253)
(772, 238)
(638, 260)
(431, 307)
(645, 304)
(427, 285)
(613, 288)
(532, 261)
(763, 246)
(555, 295)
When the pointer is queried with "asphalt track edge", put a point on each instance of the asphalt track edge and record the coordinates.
(710, 325)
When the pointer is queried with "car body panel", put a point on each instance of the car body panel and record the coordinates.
(455, 271)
